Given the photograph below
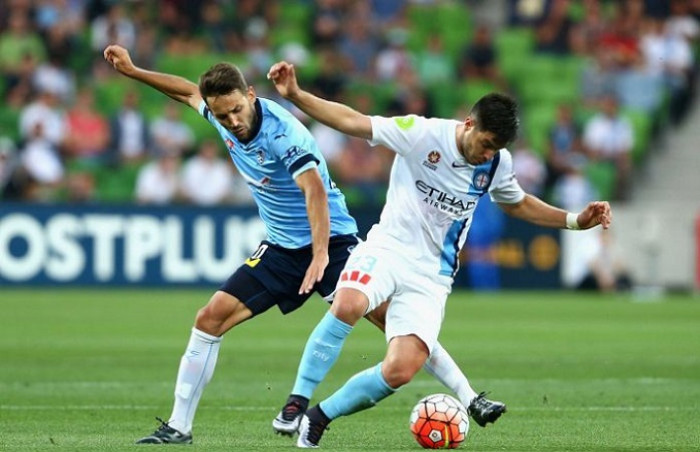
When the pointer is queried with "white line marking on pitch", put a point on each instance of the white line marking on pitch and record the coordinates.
(393, 408)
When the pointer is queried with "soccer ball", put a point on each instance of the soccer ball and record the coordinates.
(439, 421)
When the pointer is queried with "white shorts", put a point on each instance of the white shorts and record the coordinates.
(416, 299)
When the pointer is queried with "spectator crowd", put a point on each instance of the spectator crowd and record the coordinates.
(73, 130)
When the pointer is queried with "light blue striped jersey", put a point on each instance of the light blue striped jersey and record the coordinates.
(282, 148)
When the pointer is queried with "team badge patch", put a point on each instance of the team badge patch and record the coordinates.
(481, 179)
(432, 160)
(260, 154)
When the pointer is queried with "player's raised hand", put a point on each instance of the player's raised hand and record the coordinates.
(595, 213)
(119, 58)
(314, 273)
(283, 76)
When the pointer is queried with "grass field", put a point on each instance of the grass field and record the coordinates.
(89, 370)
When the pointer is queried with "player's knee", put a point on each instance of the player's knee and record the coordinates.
(398, 373)
(206, 321)
(349, 306)
(211, 318)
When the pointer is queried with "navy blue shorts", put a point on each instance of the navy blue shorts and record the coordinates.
(272, 275)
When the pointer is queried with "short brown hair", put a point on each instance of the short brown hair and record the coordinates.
(222, 79)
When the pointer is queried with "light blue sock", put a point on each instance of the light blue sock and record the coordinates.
(362, 391)
(321, 352)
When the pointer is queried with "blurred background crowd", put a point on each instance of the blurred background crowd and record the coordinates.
(600, 84)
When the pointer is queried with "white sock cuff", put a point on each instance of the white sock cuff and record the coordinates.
(206, 337)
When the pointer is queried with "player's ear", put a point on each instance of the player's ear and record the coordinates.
(469, 122)
(251, 93)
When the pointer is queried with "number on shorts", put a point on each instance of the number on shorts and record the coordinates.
(364, 263)
(253, 260)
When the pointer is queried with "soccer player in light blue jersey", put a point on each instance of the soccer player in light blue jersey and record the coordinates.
(310, 234)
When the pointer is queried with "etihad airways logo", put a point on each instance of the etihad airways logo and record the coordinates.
(443, 200)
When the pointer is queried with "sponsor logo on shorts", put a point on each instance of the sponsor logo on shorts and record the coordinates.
(355, 275)
(252, 262)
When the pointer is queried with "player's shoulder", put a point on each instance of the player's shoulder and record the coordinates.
(276, 119)
(505, 158)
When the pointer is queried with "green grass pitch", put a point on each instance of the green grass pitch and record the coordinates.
(89, 370)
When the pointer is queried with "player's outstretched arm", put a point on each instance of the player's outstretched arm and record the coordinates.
(534, 210)
(178, 88)
(311, 184)
(333, 114)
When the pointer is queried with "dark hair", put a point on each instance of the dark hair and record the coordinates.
(498, 114)
(222, 79)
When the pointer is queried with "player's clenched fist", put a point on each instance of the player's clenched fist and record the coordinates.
(119, 58)
(283, 76)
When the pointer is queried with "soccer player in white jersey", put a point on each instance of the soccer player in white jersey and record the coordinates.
(441, 169)
(310, 232)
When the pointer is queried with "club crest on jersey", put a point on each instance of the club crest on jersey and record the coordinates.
(481, 179)
(260, 155)
(432, 160)
(229, 144)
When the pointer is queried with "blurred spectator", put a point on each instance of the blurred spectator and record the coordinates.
(564, 148)
(67, 15)
(586, 33)
(479, 59)
(169, 133)
(80, 187)
(42, 164)
(433, 64)
(45, 111)
(327, 22)
(205, 179)
(621, 37)
(214, 26)
(331, 143)
(113, 27)
(257, 48)
(607, 269)
(362, 170)
(8, 163)
(157, 181)
(573, 191)
(682, 23)
(599, 78)
(129, 132)
(331, 79)
(21, 49)
(394, 58)
(359, 46)
(528, 168)
(553, 32)
(88, 131)
(608, 137)
(51, 76)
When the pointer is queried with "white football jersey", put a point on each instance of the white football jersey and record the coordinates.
(433, 191)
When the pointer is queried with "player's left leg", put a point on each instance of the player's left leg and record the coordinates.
(405, 357)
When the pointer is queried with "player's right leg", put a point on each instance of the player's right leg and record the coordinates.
(405, 357)
(197, 366)
(320, 353)
(241, 297)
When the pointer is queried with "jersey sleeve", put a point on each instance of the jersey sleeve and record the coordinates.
(294, 148)
(505, 187)
(207, 114)
(399, 133)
